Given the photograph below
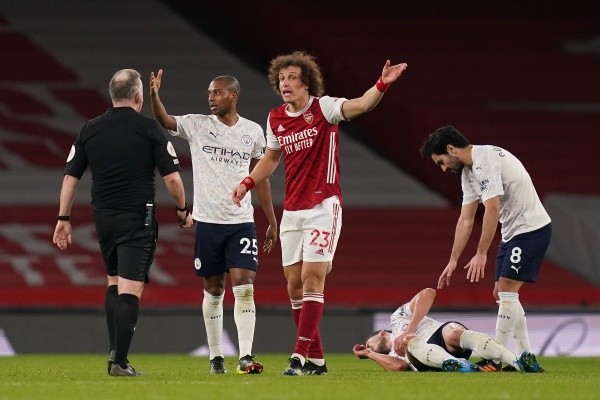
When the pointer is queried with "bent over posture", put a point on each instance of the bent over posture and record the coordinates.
(496, 178)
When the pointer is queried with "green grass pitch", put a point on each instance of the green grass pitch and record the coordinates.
(184, 377)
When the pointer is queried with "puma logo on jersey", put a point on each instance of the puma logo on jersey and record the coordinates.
(280, 128)
(515, 268)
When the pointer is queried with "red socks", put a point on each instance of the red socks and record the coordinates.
(308, 318)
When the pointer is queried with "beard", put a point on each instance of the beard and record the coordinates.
(457, 166)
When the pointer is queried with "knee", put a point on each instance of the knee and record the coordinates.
(214, 289)
(313, 283)
(452, 334)
(244, 278)
(215, 285)
(293, 281)
(127, 286)
(507, 285)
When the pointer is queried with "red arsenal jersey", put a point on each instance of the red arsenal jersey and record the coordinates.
(309, 140)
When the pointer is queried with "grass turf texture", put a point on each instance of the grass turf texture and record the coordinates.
(185, 377)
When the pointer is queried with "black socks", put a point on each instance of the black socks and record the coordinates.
(110, 304)
(126, 315)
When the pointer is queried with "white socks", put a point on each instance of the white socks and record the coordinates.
(521, 334)
(429, 354)
(244, 314)
(511, 321)
(487, 348)
(212, 311)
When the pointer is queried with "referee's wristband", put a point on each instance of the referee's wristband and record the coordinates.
(248, 182)
(63, 218)
(185, 207)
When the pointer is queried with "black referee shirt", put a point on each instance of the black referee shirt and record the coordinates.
(122, 148)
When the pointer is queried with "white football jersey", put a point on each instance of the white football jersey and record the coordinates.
(496, 172)
(221, 157)
(400, 320)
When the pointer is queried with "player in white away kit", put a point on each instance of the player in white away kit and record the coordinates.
(493, 176)
(417, 342)
(224, 148)
(305, 131)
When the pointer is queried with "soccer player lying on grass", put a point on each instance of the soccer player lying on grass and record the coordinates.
(419, 343)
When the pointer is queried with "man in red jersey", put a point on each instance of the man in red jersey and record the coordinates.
(305, 130)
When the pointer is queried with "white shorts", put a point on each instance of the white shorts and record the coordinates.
(311, 235)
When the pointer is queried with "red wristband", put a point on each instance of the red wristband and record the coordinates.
(382, 87)
(248, 182)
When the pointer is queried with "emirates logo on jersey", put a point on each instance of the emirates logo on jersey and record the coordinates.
(308, 117)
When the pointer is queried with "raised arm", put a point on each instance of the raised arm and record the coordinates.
(159, 110)
(361, 105)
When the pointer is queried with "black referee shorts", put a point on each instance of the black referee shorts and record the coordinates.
(126, 243)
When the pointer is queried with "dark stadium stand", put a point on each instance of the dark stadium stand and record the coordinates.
(498, 73)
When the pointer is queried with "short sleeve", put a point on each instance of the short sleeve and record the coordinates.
(469, 193)
(77, 161)
(332, 108)
(188, 124)
(272, 142)
(493, 177)
(259, 145)
(164, 153)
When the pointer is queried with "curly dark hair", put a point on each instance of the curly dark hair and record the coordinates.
(437, 142)
(311, 73)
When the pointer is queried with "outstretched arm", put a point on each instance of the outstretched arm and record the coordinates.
(387, 362)
(263, 169)
(159, 110)
(476, 267)
(464, 226)
(361, 105)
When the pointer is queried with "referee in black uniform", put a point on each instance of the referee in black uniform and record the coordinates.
(122, 148)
